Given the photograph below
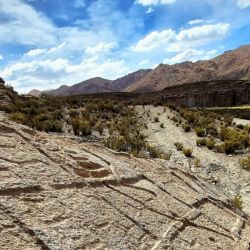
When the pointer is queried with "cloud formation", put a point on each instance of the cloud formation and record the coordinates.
(170, 40)
(243, 4)
(49, 43)
(191, 55)
(154, 2)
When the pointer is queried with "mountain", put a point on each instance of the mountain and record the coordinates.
(124, 82)
(96, 85)
(93, 85)
(35, 92)
(232, 65)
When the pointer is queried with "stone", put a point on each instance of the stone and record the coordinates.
(57, 193)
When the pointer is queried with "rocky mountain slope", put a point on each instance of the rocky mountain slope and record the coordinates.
(232, 65)
(95, 85)
(7, 94)
(58, 194)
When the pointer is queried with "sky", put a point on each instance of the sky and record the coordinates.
(48, 43)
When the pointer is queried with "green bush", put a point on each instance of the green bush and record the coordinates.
(19, 117)
(197, 163)
(237, 202)
(52, 126)
(179, 146)
(245, 163)
(200, 131)
(117, 143)
(156, 153)
(220, 148)
(235, 140)
(186, 128)
(85, 128)
(201, 142)
(187, 152)
(210, 143)
(162, 125)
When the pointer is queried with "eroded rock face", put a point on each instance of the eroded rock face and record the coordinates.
(58, 194)
(5, 93)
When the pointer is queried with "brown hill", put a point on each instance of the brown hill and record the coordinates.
(232, 65)
(35, 92)
(96, 85)
(124, 82)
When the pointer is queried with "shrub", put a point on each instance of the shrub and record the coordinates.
(201, 142)
(210, 142)
(52, 126)
(234, 139)
(153, 152)
(186, 128)
(100, 128)
(187, 152)
(200, 131)
(220, 148)
(156, 119)
(197, 163)
(162, 125)
(19, 117)
(245, 163)
(75, 122)
(85, 128)
(117, 143)
(156, 153)
(179, 146)
(237, 202)
(189, 116)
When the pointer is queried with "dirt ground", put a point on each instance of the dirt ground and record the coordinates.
(217, 168)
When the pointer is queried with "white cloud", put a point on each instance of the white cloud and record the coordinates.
(35, 52)
(149, 10)
(191, 55)
(243, 3)
(79, 4)
(209, 31)
(155, 40)
(25, 25)
(171, 41)
(154, 2)
(196, 21)
(48, 74)
(100, 48)
(1, 57)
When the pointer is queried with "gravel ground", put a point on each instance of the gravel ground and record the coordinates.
(220, 169)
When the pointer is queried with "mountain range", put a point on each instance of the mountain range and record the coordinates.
(231, 65)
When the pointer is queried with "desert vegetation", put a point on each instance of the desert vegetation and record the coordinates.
(215, 129)
(115, 122)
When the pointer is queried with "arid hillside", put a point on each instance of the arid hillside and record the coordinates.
(58, 194)
(95, 85)
(232, 65)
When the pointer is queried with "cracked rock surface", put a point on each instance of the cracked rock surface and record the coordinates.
(56, 193)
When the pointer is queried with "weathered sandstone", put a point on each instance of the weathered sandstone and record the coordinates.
(57, 193)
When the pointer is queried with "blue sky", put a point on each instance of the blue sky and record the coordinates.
(47, 43)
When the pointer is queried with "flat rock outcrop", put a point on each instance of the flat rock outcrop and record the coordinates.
(57, 193)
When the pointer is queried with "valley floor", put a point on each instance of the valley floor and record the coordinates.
(217, 168)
